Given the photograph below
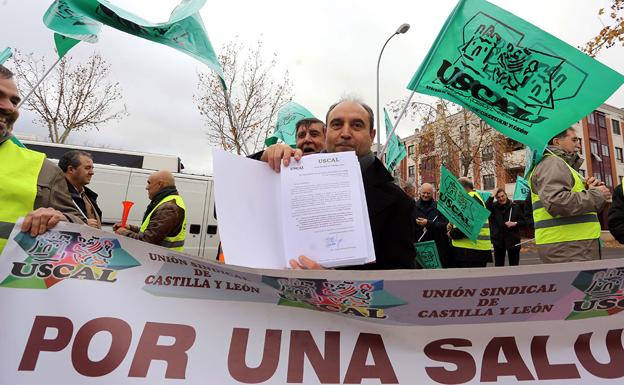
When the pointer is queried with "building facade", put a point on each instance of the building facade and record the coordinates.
(464, 144)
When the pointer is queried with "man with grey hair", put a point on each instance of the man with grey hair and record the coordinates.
(350, 127)
(467, 253)
(30, 185)
(566, 205)
(430, 223)
(78, 169)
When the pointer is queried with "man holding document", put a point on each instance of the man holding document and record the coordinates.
(350, 128)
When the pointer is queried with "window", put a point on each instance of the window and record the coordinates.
(608, 180)
(619, 155)
(598, 176)
(590, 118)
(410, 149)
(487, 153)
(616, 126)
(593, 145)
(602, 122)
(489, 181)
(411, 171)
(605, 150)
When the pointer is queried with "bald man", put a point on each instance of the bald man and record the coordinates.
(164, 221)
(430, 224)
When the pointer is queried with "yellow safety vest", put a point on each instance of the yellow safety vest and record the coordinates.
(18, 185)
(549, 229)
(176, 242)
(483, 240)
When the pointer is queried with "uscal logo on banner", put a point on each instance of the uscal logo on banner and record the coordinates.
(359, 298)
(54, 257)
(603, 294)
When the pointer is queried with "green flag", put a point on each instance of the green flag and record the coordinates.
(522, 190)
(427, 255)
(462, 210)
(395, 150)
(522, 81)
(64, 44)
(485, 195)
(5, 54)
(285, 127)
(183, 31)
(531, 159)
(70, 26)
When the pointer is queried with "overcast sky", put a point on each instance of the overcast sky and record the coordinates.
(330, 48)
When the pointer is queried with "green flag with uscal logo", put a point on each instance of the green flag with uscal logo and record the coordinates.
(427, 255)
(522, 81)
(286, 124)
(522, 190)
(395, 151)
(70, 26)
(184, 31)
(462, 210)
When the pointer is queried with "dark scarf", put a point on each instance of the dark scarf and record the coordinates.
(366, 161)
(162, 194)
(428, 203)
(573, 159)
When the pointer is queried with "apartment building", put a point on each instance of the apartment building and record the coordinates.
(467, 146)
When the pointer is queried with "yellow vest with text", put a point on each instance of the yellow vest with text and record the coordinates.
(549, 229)
(483, 240)
(18, 185)
(176, 242)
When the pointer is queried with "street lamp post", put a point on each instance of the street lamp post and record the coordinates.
(402, 29)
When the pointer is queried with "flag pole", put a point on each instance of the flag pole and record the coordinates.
(396, 123)
(38, 83)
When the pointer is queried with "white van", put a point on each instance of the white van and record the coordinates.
(115, 183)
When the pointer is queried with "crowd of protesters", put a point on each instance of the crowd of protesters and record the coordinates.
(563, 208)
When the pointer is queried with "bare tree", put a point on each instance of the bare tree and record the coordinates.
(73, 97)
(255, 93)
(611, 33)
(458, 139)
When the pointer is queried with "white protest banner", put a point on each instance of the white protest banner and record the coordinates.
(82, 306)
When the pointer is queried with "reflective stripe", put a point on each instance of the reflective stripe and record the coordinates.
(5, 229)
(483, 238)
(566, 221)
(538, 205)
(486, 225)
(170, 245)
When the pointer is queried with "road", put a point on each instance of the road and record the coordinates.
(530, 257)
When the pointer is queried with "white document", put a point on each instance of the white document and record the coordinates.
(315, 207)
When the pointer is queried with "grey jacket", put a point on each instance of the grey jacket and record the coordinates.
(552, 182)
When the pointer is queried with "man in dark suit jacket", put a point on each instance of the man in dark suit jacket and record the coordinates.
(350, 128)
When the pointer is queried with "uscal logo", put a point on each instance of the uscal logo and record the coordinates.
(55, 256)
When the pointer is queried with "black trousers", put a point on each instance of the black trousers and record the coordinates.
(513, 253)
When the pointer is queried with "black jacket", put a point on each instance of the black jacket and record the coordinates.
(501, 235)
(436, 228)
(389, 212)
(80, 202)
(616, 215)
